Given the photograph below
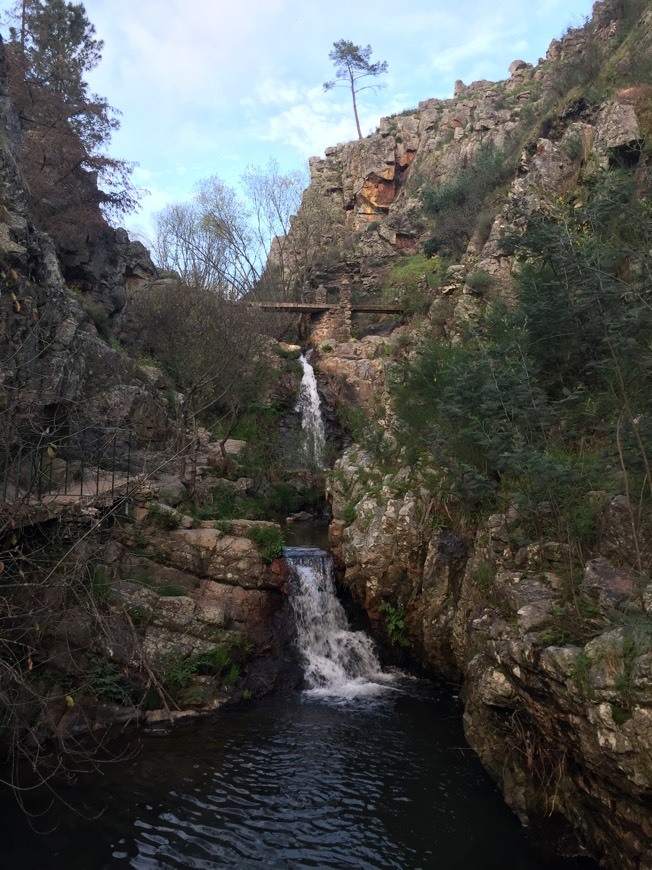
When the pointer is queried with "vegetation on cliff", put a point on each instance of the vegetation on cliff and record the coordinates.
(545, 400)
(498, 494)
(65, 129)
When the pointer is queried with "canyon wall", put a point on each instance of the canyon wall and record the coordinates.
(554, 657)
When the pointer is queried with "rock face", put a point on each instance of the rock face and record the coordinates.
(191, 589)
(555, 664)
(56, 372)
(187, 620)
(375, 183)
(352, 372)
(564, 727)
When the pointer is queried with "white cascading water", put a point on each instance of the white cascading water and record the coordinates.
(337, 661)
(308, 406)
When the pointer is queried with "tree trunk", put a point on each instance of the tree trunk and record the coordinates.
(355, 109)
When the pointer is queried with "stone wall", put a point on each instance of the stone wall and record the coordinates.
(333, 325)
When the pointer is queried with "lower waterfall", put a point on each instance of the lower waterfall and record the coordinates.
(337, 661)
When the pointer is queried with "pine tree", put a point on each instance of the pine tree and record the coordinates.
(65, 128)
(60, 47)
(353, 63)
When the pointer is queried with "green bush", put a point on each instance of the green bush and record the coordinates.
(394, 620)
(480, 280)
(286, 353)
(114, 343)
(256, 420)
(223, 662)
(456, 204)
(269, 541)
(485, 576)
(226, 504)
(98, 314)
(543, 402)
(162, 519)
(223, 526)
(574, 146)
(261, 458)
(282, 497)
(576, 621)
(100, 585)
(405, 282)
(353, 421)
(484, 224)
(106, 681)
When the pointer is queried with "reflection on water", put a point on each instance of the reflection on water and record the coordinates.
(384, 782)
(311, 533)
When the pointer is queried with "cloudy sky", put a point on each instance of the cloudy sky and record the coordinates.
(208, 87)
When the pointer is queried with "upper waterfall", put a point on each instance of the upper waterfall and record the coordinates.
(309, 407)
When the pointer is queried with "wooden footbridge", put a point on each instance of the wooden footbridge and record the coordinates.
(320, 307)
(329, 320)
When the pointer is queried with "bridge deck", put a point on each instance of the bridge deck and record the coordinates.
(317, 307)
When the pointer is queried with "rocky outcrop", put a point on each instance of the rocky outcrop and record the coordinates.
(376, 183)
(554, 658)
(557, 687)
(565, 726)
(58, 374)
(192, 588)
(105, 266)
(182, 622)
(352, 373)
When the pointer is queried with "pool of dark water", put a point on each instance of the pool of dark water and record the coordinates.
(291, 782)
(312, 533)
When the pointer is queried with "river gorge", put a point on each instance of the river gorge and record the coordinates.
(346, 563)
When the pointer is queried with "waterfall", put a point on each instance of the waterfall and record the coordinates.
(308, 406)
(337, 661)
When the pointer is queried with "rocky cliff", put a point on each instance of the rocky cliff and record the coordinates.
(564, 727)
(115, 606)
(546, 116)
(553, 651)
(60, 374)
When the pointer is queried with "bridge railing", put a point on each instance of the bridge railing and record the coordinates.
(91, 462)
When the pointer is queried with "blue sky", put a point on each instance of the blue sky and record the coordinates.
(208, 87)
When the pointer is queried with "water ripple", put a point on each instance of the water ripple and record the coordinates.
(293, 783)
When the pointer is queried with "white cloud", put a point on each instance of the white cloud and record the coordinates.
(209, 86)
(305, 119)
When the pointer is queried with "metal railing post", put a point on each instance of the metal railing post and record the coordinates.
(113, 465)
(128, 457)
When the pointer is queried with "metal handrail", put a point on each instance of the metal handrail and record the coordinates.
(86, 463)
